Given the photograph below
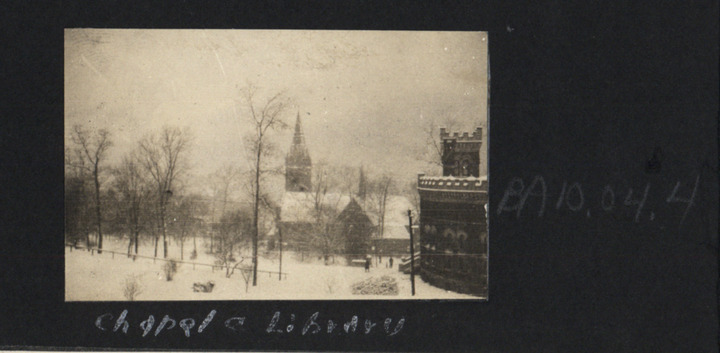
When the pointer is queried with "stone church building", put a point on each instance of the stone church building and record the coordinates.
(314, 221)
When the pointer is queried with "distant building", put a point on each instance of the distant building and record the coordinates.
(355, 226)
(453, 220)
(305, 213)
(299, 217)
(299, 205)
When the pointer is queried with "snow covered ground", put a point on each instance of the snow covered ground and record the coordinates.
(101, 277)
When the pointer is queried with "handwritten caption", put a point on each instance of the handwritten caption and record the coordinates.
(645, 203)
(278, 324)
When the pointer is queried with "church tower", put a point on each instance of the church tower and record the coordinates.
(298, 166)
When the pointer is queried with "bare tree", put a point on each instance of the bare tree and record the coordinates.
(77, 211)
(378, 191)
(325, 210)
(200, 210)
(132, 194)
(185, 220)
(265, 118)
(274, 211)
(93, 148)
(235, 230)
(343, 178)
(223, 181)
(411, 192)
(162, 156)
(434, 151)
(77, 222)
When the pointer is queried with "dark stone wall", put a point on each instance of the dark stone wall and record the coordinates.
(394, 247)
(453, 245)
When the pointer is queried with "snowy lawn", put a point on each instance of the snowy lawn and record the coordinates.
(101, 277)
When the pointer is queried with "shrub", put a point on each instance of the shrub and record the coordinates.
(132, 287)
(384, 285)
(170, 268)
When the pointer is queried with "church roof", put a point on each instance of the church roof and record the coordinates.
(298, 207)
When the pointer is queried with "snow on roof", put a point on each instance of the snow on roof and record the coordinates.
(395, 231)
(452, 178)
(299, 206)
(396, 208)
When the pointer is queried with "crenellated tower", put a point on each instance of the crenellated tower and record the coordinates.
(298, 165)
(461, 153)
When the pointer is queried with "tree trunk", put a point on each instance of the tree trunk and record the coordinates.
(164, 234)
(182, 247)
(256, 229)
(281, 245)
(97, 208)
(137, 236)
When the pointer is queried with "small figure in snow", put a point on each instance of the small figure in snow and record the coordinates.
(367, 264)
(391, 262)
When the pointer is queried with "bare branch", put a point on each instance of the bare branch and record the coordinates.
(94, 152)
(267, 119)
(161, 156)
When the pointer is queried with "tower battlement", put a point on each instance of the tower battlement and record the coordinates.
(474, 136)
(461, 153)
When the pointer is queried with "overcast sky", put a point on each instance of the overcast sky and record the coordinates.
(365, 97)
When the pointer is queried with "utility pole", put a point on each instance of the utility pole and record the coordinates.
(412, 255)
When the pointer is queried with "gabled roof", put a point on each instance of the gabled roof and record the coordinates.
(354, 213)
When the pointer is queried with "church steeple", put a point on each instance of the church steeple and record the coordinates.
(362, 185)
(298, 165)
(299, 137)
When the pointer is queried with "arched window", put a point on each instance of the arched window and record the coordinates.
(462, 240)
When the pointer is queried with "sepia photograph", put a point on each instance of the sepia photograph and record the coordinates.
(275, 165)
